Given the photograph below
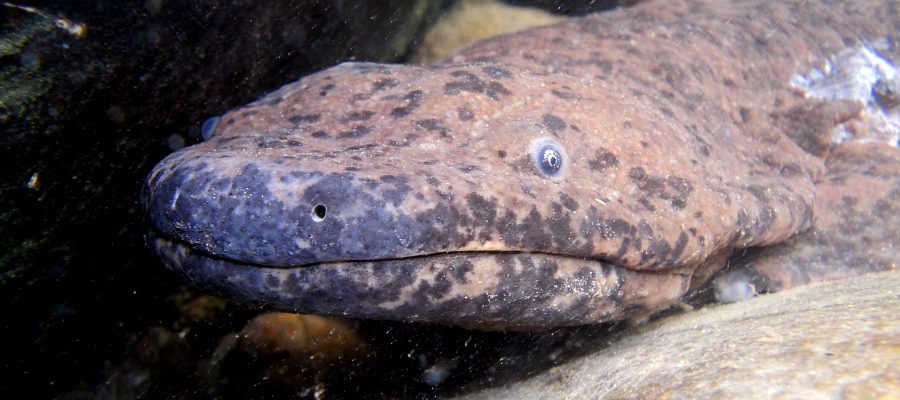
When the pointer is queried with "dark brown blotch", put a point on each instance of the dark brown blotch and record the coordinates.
(554, 123)
(484, 212)
(469, 83)
(474, 84)
(568, 202)
(384, 84)
(679, 184)
(413, 100)
(679, 247)
(357, 131)
(362, 147)
(432, 125)
(644, 181)
(602, 160)
(529, 190)
(667, 112)
(394, 178)
(460, 270)
(324, 89)
(405, 141)
(532, 231)
(495, 89)
(271, 143)
(605, 66)
(304, 119)
(671, 73)
(360, 115)
(563, 95)
(645, 201)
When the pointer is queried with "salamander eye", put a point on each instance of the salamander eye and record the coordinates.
(549, 157)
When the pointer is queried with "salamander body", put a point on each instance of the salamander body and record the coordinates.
(588, 171)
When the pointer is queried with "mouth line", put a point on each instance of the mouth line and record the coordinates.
(473, 253)
(436, 255)
(423, 257)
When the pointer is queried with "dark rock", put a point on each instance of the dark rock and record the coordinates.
(91, 96)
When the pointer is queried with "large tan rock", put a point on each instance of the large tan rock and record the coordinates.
(838, 339)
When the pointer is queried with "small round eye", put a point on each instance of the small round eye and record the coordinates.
(549, 157)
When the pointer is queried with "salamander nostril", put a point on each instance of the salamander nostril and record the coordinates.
(318, 212)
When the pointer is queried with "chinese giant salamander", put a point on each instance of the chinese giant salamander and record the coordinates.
(592, 170)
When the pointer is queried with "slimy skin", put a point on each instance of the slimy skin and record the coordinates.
(855, 232)
(588, 171)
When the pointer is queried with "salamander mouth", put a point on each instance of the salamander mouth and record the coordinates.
(478, 289)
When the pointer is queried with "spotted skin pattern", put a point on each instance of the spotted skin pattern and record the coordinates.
(414, 193)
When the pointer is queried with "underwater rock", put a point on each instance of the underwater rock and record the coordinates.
(836, 339)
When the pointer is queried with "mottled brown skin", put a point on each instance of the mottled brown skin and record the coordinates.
(857, 230)
(670, 116)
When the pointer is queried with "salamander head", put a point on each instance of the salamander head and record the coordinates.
(456, 183)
